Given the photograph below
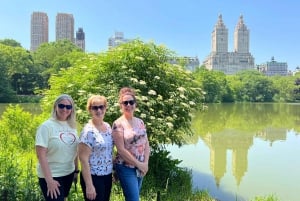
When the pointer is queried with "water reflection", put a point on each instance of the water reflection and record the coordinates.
(247, 150)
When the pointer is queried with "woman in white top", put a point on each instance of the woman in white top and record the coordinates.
(56, 148)
(96, 152)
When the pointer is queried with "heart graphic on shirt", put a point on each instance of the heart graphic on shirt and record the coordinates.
(67, 138)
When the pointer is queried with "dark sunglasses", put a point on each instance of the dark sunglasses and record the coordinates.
(130, 102)
(62, 106)
(95, 107)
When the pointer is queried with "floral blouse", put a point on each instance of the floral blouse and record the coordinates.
(135, 140)
(101, 143)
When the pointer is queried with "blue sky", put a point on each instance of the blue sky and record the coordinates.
(184, 26)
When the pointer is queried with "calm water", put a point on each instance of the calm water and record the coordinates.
(245, 150)
(33, 108)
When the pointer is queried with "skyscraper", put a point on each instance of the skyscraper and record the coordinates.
(117, 40)
(230, 62)
(80, 39)
(64, 27)
(39, 31)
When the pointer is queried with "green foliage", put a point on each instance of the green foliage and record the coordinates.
(285, 87)
(265, 198)
(18, 179)
(252, 86)
(214, 84)
(161, 168)
(167, 94)
(10, 42)
(12, 60)
(17, 129)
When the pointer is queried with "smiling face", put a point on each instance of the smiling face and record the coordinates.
(63, 109)
(98, 108)
(127, 104)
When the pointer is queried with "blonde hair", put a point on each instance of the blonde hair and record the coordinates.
(126, 91)
(93, 98)
(71, 119)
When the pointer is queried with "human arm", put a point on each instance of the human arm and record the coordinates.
(52, 185)
(147, 155)
(84, 155)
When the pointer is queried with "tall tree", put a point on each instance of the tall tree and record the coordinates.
(167, 94)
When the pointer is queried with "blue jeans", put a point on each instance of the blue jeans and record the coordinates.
(130, 182)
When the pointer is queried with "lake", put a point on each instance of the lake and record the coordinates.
(240, 151)
(245, 150)
(33, 108)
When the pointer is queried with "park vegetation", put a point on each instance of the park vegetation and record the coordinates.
(167, 96)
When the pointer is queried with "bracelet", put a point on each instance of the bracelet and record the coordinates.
(76, 171)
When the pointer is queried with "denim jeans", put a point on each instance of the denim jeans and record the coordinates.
(130, 182)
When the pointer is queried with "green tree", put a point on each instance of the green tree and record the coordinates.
(214, 84)
(253, 86)
(13, 60)
(10, 42)
(285, 88)
(50, 58)
(167, 94)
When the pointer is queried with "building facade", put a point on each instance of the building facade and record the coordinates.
(117, 40)
(190, 63)
(80, 39)
(273, 67)
(39, 30)
(64, 27)
(229, 62)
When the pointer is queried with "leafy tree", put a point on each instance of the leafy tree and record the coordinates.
(10, 42)
(285, 88)
(214, 84)
(49, 58)
(167, 94)
(255, 87)
(13, 60)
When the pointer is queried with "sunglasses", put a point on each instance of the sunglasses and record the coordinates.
(95, 107)
(130, 102)
(62, 106)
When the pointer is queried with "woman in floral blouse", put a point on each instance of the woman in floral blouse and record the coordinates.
(96, 152)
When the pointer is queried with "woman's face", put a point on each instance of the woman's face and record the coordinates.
(63, 110)
(98, 109)
(128, 104)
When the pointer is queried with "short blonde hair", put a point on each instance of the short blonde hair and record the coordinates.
(92, 98)
(71, 119)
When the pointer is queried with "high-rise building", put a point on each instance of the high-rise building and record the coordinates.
(80, 39)
(64, 27)
(118, 39)
(230, 62)
(39, 31)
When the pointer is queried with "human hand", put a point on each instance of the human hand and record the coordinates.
(91, 192)
(143, 168)
(53, 188)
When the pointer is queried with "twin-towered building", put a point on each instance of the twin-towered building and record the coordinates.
(230, 62)
(64, 29)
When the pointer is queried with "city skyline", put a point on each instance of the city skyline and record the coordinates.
(181, 27)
